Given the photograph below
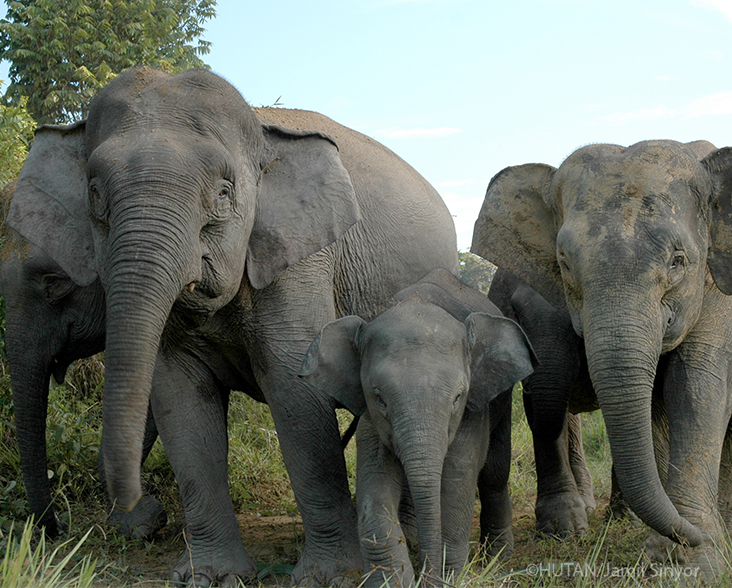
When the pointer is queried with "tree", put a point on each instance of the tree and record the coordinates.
(475, 271)
(63, 51)
(16, 135)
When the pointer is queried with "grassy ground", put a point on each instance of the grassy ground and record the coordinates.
(91, 554)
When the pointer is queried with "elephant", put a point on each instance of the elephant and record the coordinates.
(635, 242)
(224, 240)
(50, 322)
(431, 380)
(554, 394)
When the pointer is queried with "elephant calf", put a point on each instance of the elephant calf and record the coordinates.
(431, 377)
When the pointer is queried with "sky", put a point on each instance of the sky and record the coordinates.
(461, 89)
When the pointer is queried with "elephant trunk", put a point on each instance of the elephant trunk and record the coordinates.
(623, 349)
(423, 457)
(31, 373)
(144, 276)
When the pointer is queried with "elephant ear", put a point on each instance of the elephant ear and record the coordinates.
(501, 355)
(50, 206)
(333, 363)
(306, 202)
(516, 230)
(719, 164)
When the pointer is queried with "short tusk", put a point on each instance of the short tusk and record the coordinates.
(191, 286)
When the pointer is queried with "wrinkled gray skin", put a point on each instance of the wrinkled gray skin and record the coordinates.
(559, 388)
(637, 243)
(432, 379)
(49, 323)
(227, 243)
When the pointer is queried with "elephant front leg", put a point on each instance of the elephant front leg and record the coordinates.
(698, 410)
(560, 508)
(496, 536)
(465, 458)
(190, 412)
(379, 484)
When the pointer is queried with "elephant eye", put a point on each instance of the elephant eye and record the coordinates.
(56, 287)
(97, 203)
(380, 402)
(677, 262)
(456, 400)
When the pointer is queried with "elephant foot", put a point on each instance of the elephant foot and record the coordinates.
(342, 569)
(561, 515)
(227, 568)
(147, 518)
(497, 543)
(671, 559)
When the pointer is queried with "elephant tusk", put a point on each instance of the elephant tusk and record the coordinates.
(191, 286)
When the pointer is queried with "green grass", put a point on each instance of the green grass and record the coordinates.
(91, 554)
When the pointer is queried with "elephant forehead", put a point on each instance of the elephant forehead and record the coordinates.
(414, 326)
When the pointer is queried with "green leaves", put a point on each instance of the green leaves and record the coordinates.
(63, 51)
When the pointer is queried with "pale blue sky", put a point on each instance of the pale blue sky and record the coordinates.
(462, 88)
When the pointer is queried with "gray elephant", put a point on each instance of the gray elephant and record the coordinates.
(557, 390)
(636, 242)
(50, 322)
(432, 378)
(225, 242)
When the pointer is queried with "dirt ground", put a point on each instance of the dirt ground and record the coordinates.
(274, 542)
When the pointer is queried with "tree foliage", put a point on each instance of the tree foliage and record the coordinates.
(63, 51)
(16, 135)
(475, 271)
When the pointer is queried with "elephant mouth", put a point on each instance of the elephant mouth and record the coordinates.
(207, 295)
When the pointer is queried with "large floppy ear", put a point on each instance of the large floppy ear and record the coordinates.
(516, 231)
(501, 355)
(50, 206)
(719, 164)
(333, 363)
(306, 202)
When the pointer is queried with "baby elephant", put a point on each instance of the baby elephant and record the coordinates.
(431, 377)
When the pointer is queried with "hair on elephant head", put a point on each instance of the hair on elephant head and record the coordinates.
(636, 242)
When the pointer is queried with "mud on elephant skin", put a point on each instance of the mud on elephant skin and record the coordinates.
(50, 322)
(637, 243)
(431, 380)
(225, 241)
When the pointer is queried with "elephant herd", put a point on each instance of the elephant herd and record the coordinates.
(211, 247)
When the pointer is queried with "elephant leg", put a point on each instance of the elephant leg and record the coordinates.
(725, 481)
(578, 462)
(287, 316)
(190, 410)
(698, 414)
(496, 536)
(149, 515)
(465, 458)
(379, 495)
(560, 509)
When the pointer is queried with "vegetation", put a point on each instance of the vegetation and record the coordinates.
(475, 271)
(16, 135)
(63, 51)
(268, 519)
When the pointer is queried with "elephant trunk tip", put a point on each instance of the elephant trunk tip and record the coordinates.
(687, 534)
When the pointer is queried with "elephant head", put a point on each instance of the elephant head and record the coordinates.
(49, 322)
(189, 198)
(626, 238)
(413, 371)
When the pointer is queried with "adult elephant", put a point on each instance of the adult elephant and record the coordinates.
(227, 241)
(636, 242)
(50, 322)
